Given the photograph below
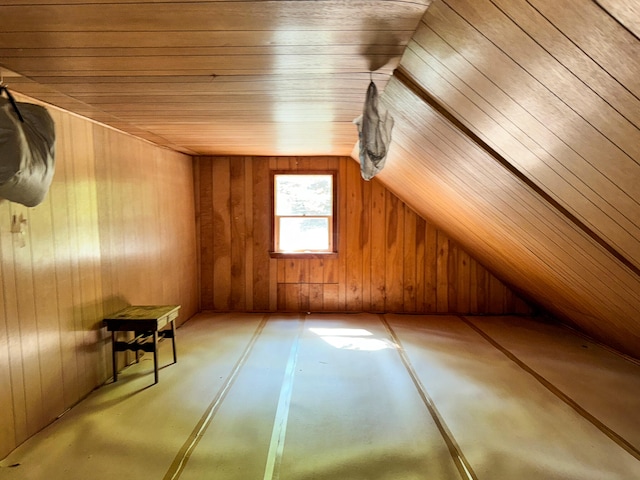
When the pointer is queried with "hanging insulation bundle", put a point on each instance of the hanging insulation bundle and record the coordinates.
(374, 132)
(27, 149)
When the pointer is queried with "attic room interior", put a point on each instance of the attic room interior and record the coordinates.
(473, 314)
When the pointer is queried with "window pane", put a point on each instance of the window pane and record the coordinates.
(304, 194)
(301, 234)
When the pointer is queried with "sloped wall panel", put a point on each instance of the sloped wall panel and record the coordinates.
(506, 225)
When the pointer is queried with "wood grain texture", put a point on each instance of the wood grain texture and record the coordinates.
(539, 94)
(215, 77)
(552, 87)
(506, 226)
(390, 258)
(117, 227)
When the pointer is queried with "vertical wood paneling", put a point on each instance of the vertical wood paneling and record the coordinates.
(304, 297)
(198, 225)
(389, 259)
(315, 297)
(237, 209)
(421, 262)
(62, 235)
(442, 279)
(409, 266)
(482, 277)
(84, 173)
(353, 253)
(11, 242)
(463, 275)
(117, 227)
(497, 295)
(247, 197)
(260, 276)
(365, 243)
(316, 270)
(452, 277)
(341, 263)
(378, 247)
(222, 235)
(207, 241)
(430, 269)
(473, 286)
(7, 415)
(46, 309)
(28, 333)
(394, 254)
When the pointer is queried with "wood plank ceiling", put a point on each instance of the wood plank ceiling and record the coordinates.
(518, 131)
(517, 121)
(211, 77)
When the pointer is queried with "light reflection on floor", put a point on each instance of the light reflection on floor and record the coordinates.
(352, 339)
(353, 409)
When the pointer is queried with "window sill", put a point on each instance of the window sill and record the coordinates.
(303, 255)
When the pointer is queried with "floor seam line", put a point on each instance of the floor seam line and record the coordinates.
(460, 461)
(614, 436)
(182, 457)
(279, 430)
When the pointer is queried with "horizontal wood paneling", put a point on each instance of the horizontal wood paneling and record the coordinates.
(506, 225)
(215, 77)
(390, 259)
(216, 15)
(322, 40)
(117, 227)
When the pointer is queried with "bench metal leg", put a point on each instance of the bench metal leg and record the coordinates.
(113, 356)
(173, 341)
(155, 356)
(146, 341)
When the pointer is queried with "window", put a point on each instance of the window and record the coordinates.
(304, 208)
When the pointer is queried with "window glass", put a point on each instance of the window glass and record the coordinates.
(300, 234)
(303, 213)
(304, 194)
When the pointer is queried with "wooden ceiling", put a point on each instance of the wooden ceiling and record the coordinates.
(211, 77)
(517, 121)
(518, 131)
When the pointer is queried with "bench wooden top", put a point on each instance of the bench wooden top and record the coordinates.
(139, 317)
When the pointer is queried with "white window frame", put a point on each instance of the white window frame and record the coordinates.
(332, 219)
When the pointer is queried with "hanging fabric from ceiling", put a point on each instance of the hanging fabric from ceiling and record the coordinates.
(27, 151)
(374, 131)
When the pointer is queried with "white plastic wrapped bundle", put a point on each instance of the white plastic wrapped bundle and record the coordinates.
(374, 130)
(27, 151)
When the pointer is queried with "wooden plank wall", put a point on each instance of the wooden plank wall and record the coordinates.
(390, 259)
(507, 225)
(548, 197)
(117, 227)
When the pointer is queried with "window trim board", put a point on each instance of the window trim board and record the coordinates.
(334, 227)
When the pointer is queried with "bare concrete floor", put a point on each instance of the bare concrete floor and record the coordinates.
(353, 397)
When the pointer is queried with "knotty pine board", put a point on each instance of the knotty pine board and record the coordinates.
(390, 259)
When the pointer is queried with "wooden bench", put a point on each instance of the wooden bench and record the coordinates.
(150, 323)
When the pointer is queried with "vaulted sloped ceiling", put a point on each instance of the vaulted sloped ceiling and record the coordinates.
(517, 121)
(518, 132)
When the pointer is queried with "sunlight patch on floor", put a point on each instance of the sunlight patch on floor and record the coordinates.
(352, 339)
